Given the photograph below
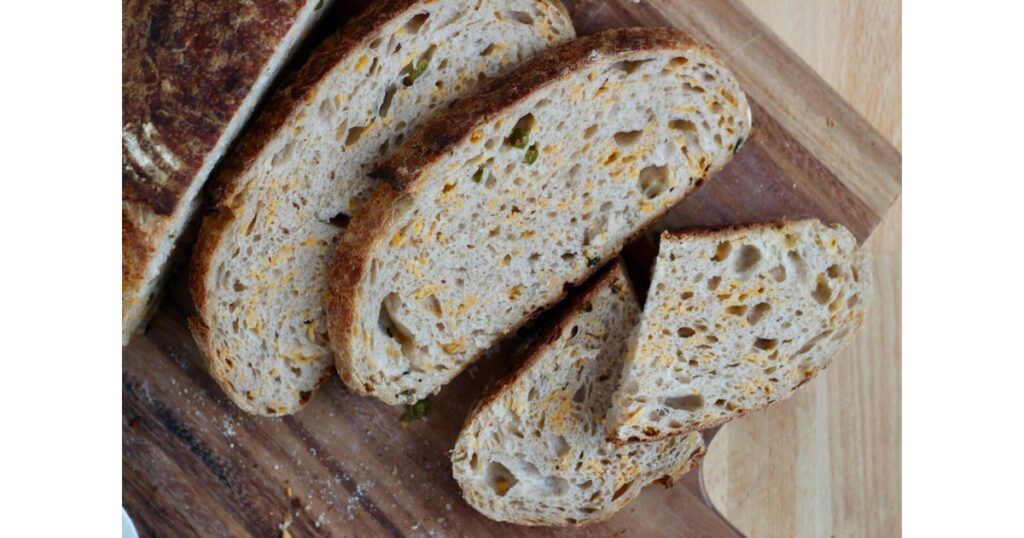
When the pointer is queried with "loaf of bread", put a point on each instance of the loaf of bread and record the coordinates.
(260, 269)
(534, 451)
(736, 320)
(491, 209)
(191, 75)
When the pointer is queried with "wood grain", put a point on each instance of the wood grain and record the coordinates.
(194, 465)
(827, 462)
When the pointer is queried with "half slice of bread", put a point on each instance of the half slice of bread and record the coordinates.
(534, 452)
(260, 269)
(191, 77)
(736, 320)
(517, 191)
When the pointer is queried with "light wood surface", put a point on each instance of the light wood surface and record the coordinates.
(193, 464)
(827, 462)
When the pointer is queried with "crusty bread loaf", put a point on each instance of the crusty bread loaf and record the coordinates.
(518, 190)
(261, 265)
(190, 79)
(534, 451)
(736, 320)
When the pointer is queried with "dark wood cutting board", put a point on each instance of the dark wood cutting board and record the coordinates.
(194, 465)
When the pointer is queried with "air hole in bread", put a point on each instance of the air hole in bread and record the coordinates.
(355, 133)
(833, 271)
(629, 66)
(283, 155)
(252, 223)
(690, 402)
(521, 17)
(589, 132)
(736, 310)
(499, 478)
(853, 300)
(622, 490)
(654, 180)
(689, 87)
(489, 50)
(719, 402)
(747, 259)
(238, 286)
(433, 305)
(519, 136)
(627, 138)
(416, 22)
(758, 312)
(778, 273)
(686, 332)
(798, 263)
(587, 485)
(385, 104)
(722, 251)
(683, 125)
(766, 344)
(558, 445)
(340, 221)
(686, 294)
(394, 329)
(713, 282)
(822, 292)
(327, 108)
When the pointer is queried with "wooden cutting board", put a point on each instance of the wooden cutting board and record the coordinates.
(193, 464)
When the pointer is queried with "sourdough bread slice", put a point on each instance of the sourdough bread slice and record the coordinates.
(260, 268)
(518, 190)
(534, 452)
(190, 79)
(736, 320)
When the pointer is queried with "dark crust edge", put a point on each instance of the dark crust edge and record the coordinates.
(406, 165)
(715, 232)
(264, 127)
(356, 248)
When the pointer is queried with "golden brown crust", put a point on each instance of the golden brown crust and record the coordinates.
(410, 164)
(403, 167)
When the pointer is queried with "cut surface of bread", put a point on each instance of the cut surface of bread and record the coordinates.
(260, 268)
(534, 450)
(517, 190)
(736, 320)
(191, 78)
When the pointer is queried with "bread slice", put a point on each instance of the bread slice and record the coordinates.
(534, 452)
(260, 268)
(518, 190)
(190, 79)
(736, 320)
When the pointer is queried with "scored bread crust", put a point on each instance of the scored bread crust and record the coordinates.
(234, 177)
(168, 145)
(860, 287)
(407, 169)
(672, 466)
